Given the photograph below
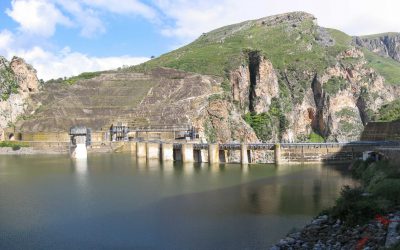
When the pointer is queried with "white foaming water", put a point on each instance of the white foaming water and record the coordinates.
(80, 152)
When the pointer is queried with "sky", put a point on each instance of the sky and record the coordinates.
(61, 38)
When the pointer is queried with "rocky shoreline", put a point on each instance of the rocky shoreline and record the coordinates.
(325, 232)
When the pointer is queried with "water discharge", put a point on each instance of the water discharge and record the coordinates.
(113, 201)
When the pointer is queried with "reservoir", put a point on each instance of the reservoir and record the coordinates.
(114, 201)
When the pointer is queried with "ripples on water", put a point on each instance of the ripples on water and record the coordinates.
(113, 201)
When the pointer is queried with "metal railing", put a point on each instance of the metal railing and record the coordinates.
(255, 146)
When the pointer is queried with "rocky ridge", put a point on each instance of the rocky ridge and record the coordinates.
(18, 81)
(386, 45)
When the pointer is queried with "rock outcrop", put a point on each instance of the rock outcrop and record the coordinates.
(337, 103)
(386, 45)
(17, 80)
(25, 75)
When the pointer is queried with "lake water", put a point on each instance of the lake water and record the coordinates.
(112, 201)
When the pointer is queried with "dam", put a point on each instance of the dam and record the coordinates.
(182, 143)
(243, 153)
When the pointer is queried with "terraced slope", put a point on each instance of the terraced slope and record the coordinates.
(160, 97)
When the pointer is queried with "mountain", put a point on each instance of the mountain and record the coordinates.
(281, 77)
(291, 78)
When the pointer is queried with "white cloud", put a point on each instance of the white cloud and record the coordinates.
(124, 7)
(88, 14)
(38, 17)
(68, 63)
(6, 39)
(191, 18)
(64, 62)
(86, 18)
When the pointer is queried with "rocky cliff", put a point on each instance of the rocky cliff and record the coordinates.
(18, 81)
(386, 45)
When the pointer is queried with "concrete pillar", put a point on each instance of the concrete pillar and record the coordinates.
(204, 155)
(243, 154)
(152, 150)
(141, 150)
(213, 153)
(277, 154)
(132, 147)
(187, 153)
(167, 151)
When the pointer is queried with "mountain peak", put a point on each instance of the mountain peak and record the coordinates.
(290, 17)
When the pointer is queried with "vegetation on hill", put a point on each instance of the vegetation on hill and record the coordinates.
(387, 67)
(316, 138)
(389, 112)
(72, 80)
(263, 123)
(298, 45)
(8, 83)
(379, 192)
(334, 85)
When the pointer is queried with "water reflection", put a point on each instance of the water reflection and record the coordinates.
(306, 192)
(153, 164)
(80, 166)
(141, 162)
(118, 201)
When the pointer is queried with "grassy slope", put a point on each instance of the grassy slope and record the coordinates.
(387, 67)
(283, 44)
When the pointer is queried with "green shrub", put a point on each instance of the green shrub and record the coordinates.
(346, 112)
(15, 145)
(215, 97)
(83, 76)
(264, 123)
(390, 111)
(315, 138)
(9, 85)
(357, 168)
(260, 124)
(353, 207)
(334, 85)
(226, 86)
(210, 132)
(388, 189)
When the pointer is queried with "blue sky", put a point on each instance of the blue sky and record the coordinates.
(65, 37)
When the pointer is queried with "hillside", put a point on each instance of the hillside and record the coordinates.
(277, 78)
(160, 97)
(323, 81)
